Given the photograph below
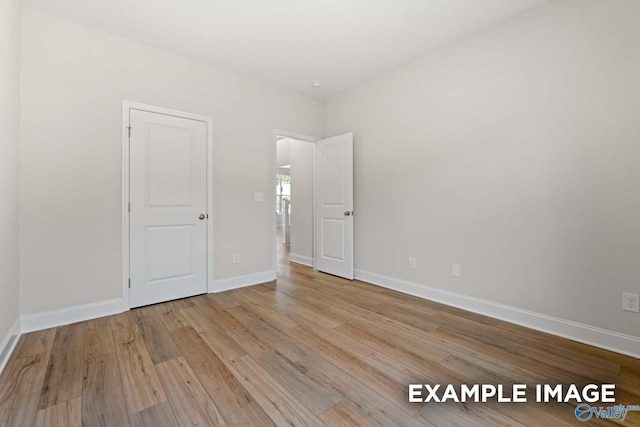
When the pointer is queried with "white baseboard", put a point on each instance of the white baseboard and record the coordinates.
(301, 259)
(220, 285)
(597, 337)
(65, 316)
(9, 343)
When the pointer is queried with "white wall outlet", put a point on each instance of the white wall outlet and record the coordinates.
(631, 302)
(456, 270)
(236, 258)
(258, 196)
(412, 262)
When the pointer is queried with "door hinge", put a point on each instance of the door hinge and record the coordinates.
(129, 207)
(129, 130)
(129, 283)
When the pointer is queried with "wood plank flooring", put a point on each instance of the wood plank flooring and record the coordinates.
(307, 350)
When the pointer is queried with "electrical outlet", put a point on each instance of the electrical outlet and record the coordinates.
(631, 302)
(412, 262)
(236, 258)
(456, 270)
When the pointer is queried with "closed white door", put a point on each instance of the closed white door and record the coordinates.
(334, 205)
(168, 207)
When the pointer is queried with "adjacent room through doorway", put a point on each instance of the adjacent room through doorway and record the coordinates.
(294, 202)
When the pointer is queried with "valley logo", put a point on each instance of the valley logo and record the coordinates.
(584, 412)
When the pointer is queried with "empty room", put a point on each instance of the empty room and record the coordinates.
(319, 213)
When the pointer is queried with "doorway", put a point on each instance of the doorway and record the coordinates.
(166, 205)
(319, 206)
(294, 199)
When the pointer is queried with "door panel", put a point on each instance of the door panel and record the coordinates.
(169, 252)
(334, 205)
(170, 166)
(333, 231)
(168, 193)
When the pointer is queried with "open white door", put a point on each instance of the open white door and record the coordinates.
(168, 207)
(334, 205)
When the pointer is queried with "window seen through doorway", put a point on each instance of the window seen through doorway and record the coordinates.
(283, 192)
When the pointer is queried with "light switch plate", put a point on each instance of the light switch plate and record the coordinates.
(258, 196)
(631, 302)
(412, 262)
(456, 270)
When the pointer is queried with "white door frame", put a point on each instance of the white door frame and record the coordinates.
(299, 137)
(127, 106)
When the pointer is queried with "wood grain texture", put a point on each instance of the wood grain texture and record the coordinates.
(140, 381)
(221, 385)
(342, 414)
(63, 380)
(250, 415)
(293, 376)
(217, 313)
(66, 414)
(307, 349)
(160, 415)
(38, 342)
(190, 403)
(20, 386)
(170, 315)
(278, 402)
(98, 338)
(102, 392)
(218, 340)
(156, 336)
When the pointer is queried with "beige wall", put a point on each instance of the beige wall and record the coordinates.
(9, 126)
(74, 79)
(514, 153)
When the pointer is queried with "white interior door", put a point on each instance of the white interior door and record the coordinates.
(168, 207)
(334, 205)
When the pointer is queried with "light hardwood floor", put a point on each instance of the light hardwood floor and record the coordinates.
(308, 349)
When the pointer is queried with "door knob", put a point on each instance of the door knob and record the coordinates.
(202, 216)
(347, 213)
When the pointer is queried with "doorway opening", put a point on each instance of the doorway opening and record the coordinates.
(319, 204)
(294, 200)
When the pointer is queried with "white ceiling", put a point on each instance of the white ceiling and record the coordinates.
(292, 42)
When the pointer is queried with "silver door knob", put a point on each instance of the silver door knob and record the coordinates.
(347, 213)
(202, 216)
